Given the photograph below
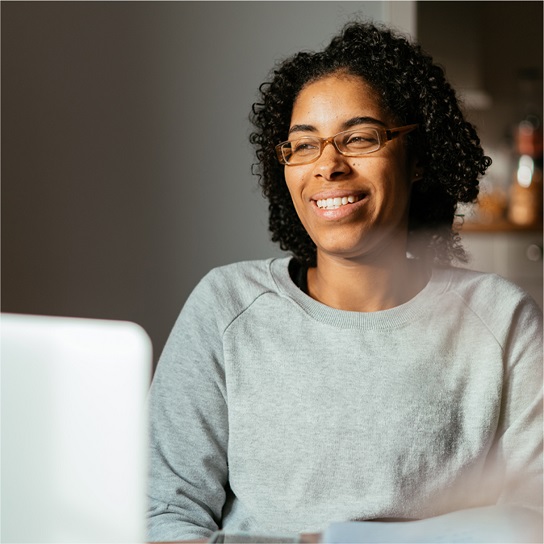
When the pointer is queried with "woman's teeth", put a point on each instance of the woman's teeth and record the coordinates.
(333, 203)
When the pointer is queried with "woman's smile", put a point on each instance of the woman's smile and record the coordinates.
(335, 205)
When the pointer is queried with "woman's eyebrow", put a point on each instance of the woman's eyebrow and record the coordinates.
(302, 128)
(353, 122)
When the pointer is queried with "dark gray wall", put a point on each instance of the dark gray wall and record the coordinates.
(125, 162)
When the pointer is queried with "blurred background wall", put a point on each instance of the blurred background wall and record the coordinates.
(126, 167)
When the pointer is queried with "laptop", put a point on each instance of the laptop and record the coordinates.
(74, 429)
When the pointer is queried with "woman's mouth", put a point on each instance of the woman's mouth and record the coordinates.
(338, 206)
(337, 202)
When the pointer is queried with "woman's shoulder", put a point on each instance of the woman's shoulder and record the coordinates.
(469, 283)
(249, 276)
(492, 297)
(231, 288)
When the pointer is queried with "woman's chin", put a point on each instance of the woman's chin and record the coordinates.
(361, 245)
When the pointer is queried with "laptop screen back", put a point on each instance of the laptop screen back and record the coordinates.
(74, 429)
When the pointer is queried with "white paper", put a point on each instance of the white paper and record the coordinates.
(482, 525)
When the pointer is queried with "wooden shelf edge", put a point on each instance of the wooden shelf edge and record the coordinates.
(499, 226)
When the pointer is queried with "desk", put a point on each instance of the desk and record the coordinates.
(306, 538)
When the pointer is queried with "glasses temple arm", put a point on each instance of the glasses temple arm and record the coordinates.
(393, 133)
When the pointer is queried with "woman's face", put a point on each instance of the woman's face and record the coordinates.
(380, 182)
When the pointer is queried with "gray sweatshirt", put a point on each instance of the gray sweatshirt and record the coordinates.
(272, 413)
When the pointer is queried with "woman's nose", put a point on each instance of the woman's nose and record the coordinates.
(332, 165)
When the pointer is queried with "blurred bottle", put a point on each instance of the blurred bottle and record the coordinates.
(525, 208)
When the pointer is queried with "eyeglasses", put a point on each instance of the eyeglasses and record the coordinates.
(350, 143)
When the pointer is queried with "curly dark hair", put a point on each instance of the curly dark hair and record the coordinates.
(414, 90)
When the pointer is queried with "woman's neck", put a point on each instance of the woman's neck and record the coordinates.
(366, 286)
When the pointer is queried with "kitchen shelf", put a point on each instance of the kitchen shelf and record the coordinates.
(499, 226)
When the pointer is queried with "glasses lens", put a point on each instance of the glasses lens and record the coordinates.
(300, 151)
(358, 142)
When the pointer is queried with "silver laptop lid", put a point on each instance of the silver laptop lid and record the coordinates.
(74, 429)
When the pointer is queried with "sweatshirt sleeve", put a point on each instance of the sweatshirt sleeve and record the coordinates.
(189, 426)
(520, 444)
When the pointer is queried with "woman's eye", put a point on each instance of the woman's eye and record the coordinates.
(304, 146)
(360, 139)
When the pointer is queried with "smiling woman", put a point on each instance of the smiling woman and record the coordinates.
(372, 230)
(364, 377)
